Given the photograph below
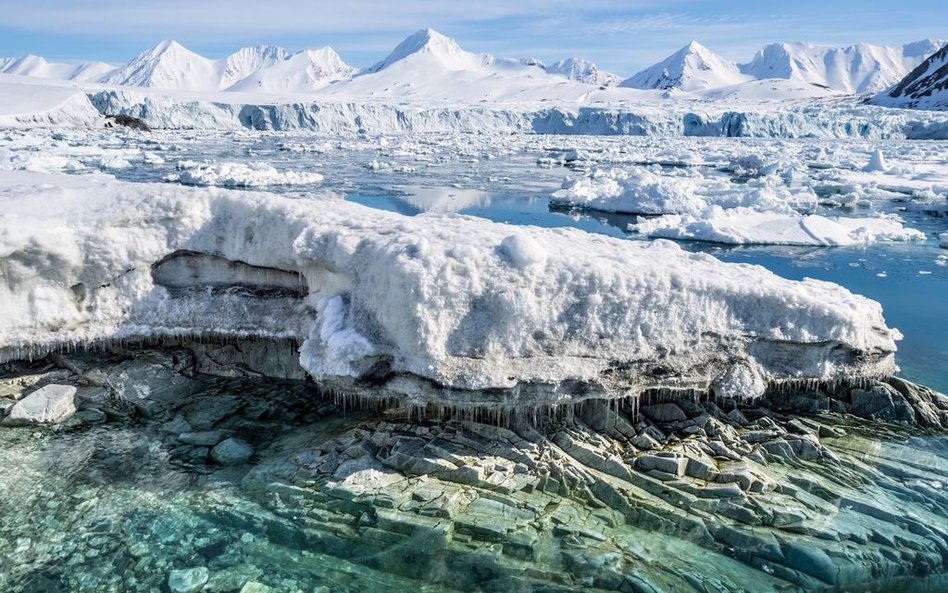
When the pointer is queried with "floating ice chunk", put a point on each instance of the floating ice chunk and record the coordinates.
(744, 226)
(636, 190)
(876, 162)
(251, 174)
(523, 250)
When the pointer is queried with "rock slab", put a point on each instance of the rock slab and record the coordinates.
(46, 405)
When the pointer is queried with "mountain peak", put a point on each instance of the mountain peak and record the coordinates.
(425, 42)
(693, 67)
(584, 71)
(168, 45)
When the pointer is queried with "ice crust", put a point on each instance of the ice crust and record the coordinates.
(434, 308)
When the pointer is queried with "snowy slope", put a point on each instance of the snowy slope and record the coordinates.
(860, 68)
(583, 71)
(429, 307)
(926, 87)
(247, 61)
(693, 67)
(40, 68)
(168, 65)
(304, 71)
(27, 102)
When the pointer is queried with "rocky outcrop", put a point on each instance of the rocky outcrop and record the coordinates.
(640, 495)
(48, 404)
(925, 87)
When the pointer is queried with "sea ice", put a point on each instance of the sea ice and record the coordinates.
(744, 226)
(445, 309)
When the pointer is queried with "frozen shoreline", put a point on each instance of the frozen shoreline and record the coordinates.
(429, 307)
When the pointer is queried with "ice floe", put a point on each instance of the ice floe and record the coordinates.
(745, 226)
(251, 174)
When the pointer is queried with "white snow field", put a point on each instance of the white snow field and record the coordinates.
(432, 307)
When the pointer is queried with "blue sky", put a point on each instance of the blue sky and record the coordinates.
(622, 36)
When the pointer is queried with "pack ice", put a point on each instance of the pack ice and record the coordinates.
(438, 309)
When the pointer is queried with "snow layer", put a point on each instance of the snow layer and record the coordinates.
(746, 226)
(25, 103)
(432, 308)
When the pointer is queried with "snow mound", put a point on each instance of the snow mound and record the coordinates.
(425, 308)
(650, 190)
(253, 174)
(745, 226)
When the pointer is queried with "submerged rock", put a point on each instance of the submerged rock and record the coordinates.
(232, 451)
(46, 405)
(188, 580)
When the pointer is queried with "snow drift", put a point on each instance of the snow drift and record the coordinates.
(432, 308)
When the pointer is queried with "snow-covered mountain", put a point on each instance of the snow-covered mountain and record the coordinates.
(307, 70)
(430, 46)
(40, 68)
(860, 68)
(583, 71)
(429, 65)
(249, 60)
(925, 87)
(168, 65)
(692, 68)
